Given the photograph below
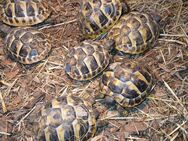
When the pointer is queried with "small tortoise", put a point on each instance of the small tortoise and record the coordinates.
(24, 12)
(87, 60)
(27, 45)
(67, 118)
(127, 83)
(98, 16)
(135, 33)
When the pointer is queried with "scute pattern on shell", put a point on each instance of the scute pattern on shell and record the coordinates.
(27, 45)
(128, 83)
(87, 60)
(98, 16)
(134, 33)
(24, 12)
(66, 118)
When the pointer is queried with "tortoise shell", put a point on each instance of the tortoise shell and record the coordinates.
(27, 45)
(66, 119)
(24, 12)
(98, 16)
(135, 33)
(87, 60)
(127, 83)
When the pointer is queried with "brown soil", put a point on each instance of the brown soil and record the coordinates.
(164, 116)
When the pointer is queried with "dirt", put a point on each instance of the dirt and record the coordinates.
(164, 115)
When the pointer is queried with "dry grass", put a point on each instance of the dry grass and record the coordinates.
(164, 116)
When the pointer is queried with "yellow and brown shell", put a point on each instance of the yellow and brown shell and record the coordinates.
(24, 12)
(98, 16)
(87, 60)
(66, 119)
(135, 33)
(128, 83)
(27, 45)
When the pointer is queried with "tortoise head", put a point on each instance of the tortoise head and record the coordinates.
(156, 17)
(109, 45)
(161, 21)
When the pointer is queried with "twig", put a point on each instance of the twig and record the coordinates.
(5, 133)
(173, 41)
(3, 103)
(10, 87)
(173, 35)
(54, 63)
(163, 56)
(26, 115)
(59, 24)
(179, 126)
(165, 100)
(179, 13)
(168, 87)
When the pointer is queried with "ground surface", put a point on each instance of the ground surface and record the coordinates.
(164, 116)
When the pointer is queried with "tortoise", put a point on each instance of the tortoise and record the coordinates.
(24, 12)
(127, 83)
(66, 118)
(135, 33)
(27, 45)
(98, 16)
(88, 59)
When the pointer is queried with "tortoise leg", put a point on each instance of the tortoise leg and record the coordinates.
(46, 23)
(99, 96)
(109, 101)
(120, 56)
(4, 29)
(101, 124)
(49, 22)
(117, 111)
(109, 45)
(123, 112)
